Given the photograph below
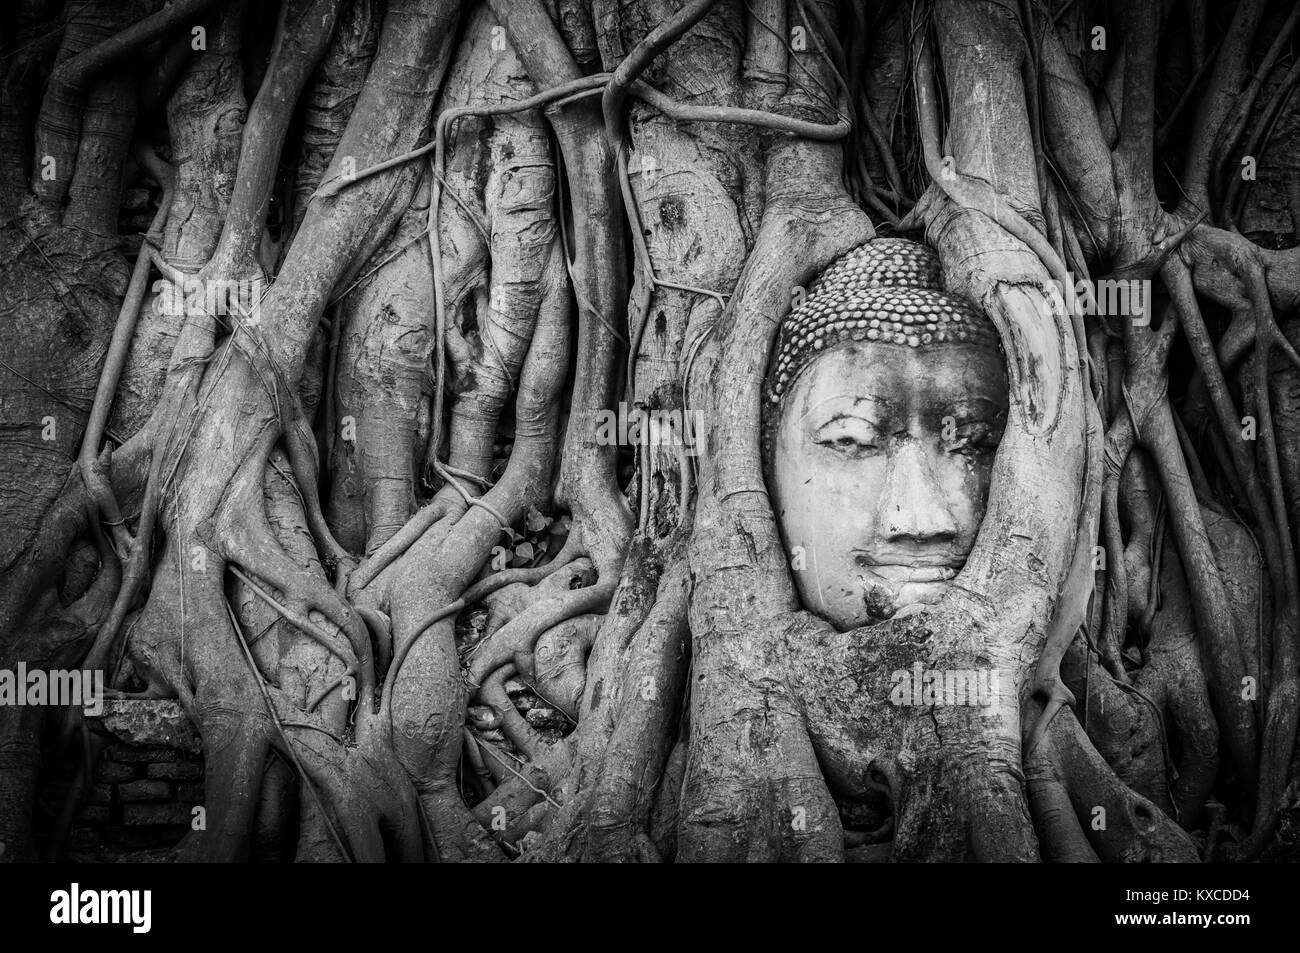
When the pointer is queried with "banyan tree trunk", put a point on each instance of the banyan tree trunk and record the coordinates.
(383, 381)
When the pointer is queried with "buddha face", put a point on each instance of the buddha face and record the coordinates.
(881, 459)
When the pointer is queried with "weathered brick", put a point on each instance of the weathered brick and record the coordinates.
(190, 793)
(100, 794)
(153, 815)
(85, 837)
(546, 717)
(176, 770)
(144, 791)
(111, 772)
(153, 722)
(93, 815)
(142, 754)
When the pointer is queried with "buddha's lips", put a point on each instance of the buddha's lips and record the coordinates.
(898, 573)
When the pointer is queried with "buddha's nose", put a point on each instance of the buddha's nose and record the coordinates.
(913, 505)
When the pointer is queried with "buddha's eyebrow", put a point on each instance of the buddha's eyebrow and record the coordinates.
(969, 403)
(842, 405)
(875, 399)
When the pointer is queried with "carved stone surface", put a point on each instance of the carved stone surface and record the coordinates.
(880, 443)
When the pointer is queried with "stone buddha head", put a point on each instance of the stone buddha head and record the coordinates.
(884, 404)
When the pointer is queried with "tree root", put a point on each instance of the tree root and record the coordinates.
(1085, 812)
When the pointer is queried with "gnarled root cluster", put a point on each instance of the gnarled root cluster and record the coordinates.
(343, 480)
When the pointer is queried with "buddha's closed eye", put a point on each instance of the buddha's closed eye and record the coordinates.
(971, 436)
(849, 434)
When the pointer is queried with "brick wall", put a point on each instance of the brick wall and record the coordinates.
(147, 783)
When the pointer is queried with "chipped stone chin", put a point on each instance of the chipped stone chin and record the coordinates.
(879, 602)
(902, 599)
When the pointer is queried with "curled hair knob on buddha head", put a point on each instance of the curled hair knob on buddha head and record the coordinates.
(885, 291)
